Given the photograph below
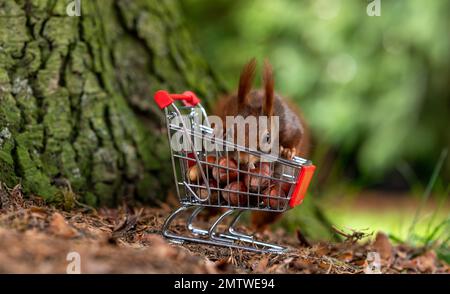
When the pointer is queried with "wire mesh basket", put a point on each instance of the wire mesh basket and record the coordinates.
(208, 173)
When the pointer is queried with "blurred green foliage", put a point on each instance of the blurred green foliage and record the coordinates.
(375, 89)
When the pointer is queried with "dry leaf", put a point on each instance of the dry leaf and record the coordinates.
(361, 262)
(324, 265)
(126, 225)
(383, 246)
(401, 254)
(60, 227)
(346, 256)
(322, 249)
(222, 265)
(425, 262)
(262, 265)
(160, 246)
(210, 267)
(301, 264)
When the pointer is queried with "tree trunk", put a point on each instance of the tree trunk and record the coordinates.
(76, 95)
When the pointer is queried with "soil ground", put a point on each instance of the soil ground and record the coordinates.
(36, 238)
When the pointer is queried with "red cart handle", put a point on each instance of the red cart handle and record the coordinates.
(164, 99)
(304, 179)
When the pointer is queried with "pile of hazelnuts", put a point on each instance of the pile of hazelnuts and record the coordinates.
(234, 183)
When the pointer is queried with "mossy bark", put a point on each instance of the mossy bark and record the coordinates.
(76, 95)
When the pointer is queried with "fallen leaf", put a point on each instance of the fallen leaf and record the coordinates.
(301, 264)
(273, 268)
(222, 265)
(159, 246)
(38, 212)
(361, 262)
(126, 225)
(346, 256)
(383, 246)
(324, 265)
(402, 254)
(60, 227)
(322, 249)
(262, 265)
(426, 261)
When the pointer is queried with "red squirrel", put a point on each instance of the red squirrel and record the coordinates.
(293, 131)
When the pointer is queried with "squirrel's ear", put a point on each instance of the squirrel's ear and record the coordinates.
(268, 89)
(245, 81)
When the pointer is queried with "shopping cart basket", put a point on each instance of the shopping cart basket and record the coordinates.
(208, 174)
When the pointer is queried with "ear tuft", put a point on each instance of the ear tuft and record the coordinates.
(268, 89)
(245, 81)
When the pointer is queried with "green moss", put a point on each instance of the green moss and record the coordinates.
(104, 166)
(105, 193)
(13, 30)
(61, 31)
(149, 188)
(32, 136)
(69, 168)
(10, 9)
(7, 168)
(9, 112)
(90, 199)
(40, 5)
(33, 180)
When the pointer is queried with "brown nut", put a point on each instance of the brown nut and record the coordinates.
(202, 192)
(194, 174)
(285, 187)
(223, 175)
(257, 179)
(277, 201)
(235, 198)
(211, 159)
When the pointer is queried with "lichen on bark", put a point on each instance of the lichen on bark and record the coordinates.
(76, 95)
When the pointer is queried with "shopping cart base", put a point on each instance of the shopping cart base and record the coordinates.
(228, 238)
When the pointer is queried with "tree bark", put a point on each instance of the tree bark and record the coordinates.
(76, 96)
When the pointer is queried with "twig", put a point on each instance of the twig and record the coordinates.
(354, 236)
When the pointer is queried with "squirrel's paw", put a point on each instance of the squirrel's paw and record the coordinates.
(287, 153)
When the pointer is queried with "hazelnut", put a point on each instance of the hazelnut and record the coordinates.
(223, 175)
(210, 159)
(285, 187)
(193, 173)
(257, 180)
(277, 200)
(202, 192)
(235, 198)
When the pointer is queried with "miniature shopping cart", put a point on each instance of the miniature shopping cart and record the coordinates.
(208, 174)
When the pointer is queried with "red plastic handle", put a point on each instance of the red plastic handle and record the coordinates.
(164, 99)
(304, 179)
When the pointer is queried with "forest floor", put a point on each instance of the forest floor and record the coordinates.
(36, 238)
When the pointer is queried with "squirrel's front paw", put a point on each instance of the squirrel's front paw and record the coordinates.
(287, 153)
